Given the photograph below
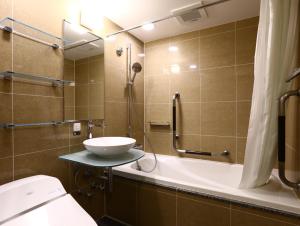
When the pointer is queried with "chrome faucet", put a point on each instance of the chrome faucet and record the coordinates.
(90, 126)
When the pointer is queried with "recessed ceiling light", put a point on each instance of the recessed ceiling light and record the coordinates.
(141, 54)
(148, 27)
(173, 48)
(175, 68)
(193, 66)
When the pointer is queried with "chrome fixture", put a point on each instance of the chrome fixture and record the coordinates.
(176, 136)
(119, 51)
(136, 67)
(166, 18)
(12, 30)
(52, 123)
(281, 132)
(91, 124)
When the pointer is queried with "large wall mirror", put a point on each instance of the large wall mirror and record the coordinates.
(84, 64)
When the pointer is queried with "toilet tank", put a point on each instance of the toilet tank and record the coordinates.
(22, 195)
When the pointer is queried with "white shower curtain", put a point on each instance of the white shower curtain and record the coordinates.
(274, 61)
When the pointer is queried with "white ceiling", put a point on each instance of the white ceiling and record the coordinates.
(129, 13)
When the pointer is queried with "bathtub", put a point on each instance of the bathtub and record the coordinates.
(214, 179)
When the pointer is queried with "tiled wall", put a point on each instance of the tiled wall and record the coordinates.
(85, 100)
(152, 205)
(213, 71)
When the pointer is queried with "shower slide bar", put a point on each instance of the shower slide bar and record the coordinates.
(10, 29)
(176, 136)
(281, 132)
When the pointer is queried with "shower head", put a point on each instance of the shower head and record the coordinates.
(136, 67)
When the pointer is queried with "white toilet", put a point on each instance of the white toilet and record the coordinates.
(40, 201)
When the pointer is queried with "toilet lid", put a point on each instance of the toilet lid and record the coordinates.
(63, 211)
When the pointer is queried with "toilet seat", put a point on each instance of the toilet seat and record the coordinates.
(64, 211)
(40, 201)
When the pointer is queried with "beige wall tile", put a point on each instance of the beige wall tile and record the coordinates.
(34, 88)
(217, 50)
(26, 53)
(81, 73)
(82, 113)
(245, 79)
(185, 36)
(96, 69)
(69, 96)
(45, 162)
(29, 109)
(217, 29)
(157, 89)
(115, 84)
(157, 61)
(96, 94)
(219, 144)
(96, 112)
(188, 118)
(158, 113)
(124, 193)
(187, 84)
(116, 119)
(245, 45)
(6, 143)
(34, 139)
(5, 108)
(69, 70)
(82, 95)
(194, 211)
(243, 115)
(156, 206)
(6, 169)
(218, 84)
(186, 55)
(218, 118)
(6, 50)
(6, 8)
(159, 143)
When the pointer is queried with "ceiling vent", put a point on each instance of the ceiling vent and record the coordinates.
(190, 13)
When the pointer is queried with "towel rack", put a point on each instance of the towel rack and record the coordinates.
(176, 136)
(6, 27)
(52, 123)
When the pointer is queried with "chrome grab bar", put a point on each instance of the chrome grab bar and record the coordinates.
(176, 136)
(281, 138)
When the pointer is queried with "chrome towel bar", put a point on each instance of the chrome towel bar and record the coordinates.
(176, 136)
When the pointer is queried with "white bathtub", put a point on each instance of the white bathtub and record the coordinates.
(211, 178)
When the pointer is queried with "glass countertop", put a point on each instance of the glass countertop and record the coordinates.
(87, 158)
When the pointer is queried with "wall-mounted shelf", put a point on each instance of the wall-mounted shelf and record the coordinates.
(19, 28)
(159, 123)
(36, 78)
(35, 124)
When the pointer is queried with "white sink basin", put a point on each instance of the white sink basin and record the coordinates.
(107, 146)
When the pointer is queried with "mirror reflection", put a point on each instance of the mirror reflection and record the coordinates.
(84, 64)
